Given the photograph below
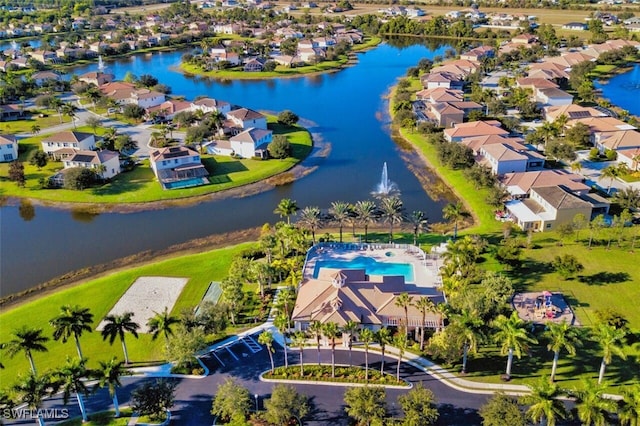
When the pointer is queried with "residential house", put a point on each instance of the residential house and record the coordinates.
(571, 112)
(617, 141)
(219, 147)
(178, 167)
(551, 96)
(519, 184)
(8, 148)
(444, 114)
(207, 105)
(547, 208)
(220, 53)
(97, 78)
(78, 141)
(509, 158)
(479, 53)
(105, 163)
(339, 296)
(11, 112)
(474, 128)
(254, 65)
(42, 77)
(245, 118)
(251, 143)
(575, 26)
(169, 108)
(44, 56)
(443, 79)
(630, 157)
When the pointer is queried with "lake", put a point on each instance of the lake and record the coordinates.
(623, 90)
(347, 108)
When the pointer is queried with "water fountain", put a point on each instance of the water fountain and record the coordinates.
(385, 187)
(100, 64)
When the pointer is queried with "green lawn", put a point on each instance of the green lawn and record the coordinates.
(140, 185)
(100, 295)
(24, 126)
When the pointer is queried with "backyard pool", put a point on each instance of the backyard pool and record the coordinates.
(185, 183)
(371, 266)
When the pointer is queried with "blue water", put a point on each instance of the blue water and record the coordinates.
(623, 90)
(348, 110)
(371, 266)
(183, 183)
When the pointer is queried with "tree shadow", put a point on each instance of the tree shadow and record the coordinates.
(452, 415)
(529, 273)
(601, 278)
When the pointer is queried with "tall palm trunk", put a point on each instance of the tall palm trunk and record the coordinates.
(271, 359)
(33, 365)
(115, 404)
(301, 362)
(83, 411)
(318, 347)
(78, 347)
(124, 349)
(382, 363)
(333, 358)
(366, 364)
(465, 353)
(554, 367)
(286, 358)
(509, 362)
(603, 366)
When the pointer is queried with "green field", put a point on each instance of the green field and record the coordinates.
(99, 295)
(140, 185)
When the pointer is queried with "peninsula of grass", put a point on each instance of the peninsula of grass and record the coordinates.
(322, 373)
(281, 71)
(141, 186)
(100, 295)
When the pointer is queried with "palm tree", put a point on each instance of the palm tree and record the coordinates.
(383, 337)
(512, 334)
(56, 104)
(629, 406)
(35, 129)
(467, 325)
(266, 338)
(331, 332)
(548, 131)
(72, 321)
(340, 213)
(454, 212)
(350, 329)
(27, 340)
(592, 407)
(424, 305)
(404, 301)
(400, 342)
(31, 390)
(576, 167)
(70, 377)
(162, 323)
(365, 215)
(611, 173)
(117, 326)
(366, 337)
(610, 340)
(311, 220)
(316, 329)
(419, 222)
(391, 208)
(628, 198)
(561, 336)
(543, 402)
(286, 208)
(70, 110)
(299, 339)
(108, 374)
(282, 324)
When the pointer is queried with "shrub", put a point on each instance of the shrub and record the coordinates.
(79, 178)
(287, 118)
(610, 154)
(594, 154)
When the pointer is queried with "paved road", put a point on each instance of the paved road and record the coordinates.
(194, 396)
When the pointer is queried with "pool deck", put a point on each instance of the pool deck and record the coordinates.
(426, 267)
(531, 307)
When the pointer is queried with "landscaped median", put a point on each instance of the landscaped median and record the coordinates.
(344, 376)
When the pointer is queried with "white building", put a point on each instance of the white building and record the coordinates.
(246, 118)
(105, 163)
(251, 143)
(178, 167)
(8, 148)
(74, 140)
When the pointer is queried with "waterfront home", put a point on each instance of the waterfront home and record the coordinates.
(475, 143)
(442, 79)
(474, 128)
(253, 65)
(97, 78)
(571, 112)
(178, 167)
(549, 71)
(547, 208)
(598, 125)
(245, 118)
(440, 94)
(221, 53)
(630, 157)
(43, 56)
(519, 184)
(219, 147)
(207, 105)
(42, 77)
(127, 93)
(8, 148)
(479, 53)
(340, 295)
(78, 141)
(504, 158)
(105, 163)
(251, 143)
(568, 60)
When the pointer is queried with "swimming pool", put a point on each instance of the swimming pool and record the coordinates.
(371, 266)
(184, 183)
